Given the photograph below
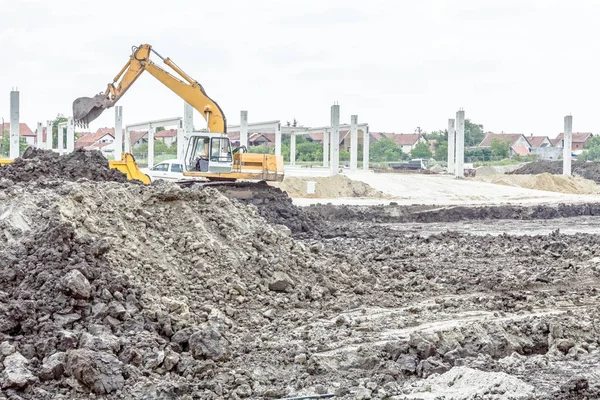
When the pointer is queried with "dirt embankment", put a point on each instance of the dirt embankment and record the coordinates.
(587, 170)
(47, 165)
(546, 182)
(328, 187)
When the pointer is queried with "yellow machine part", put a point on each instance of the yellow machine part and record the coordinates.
(3, 162)
(248, 166)
(128, 166)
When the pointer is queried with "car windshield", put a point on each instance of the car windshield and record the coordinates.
(161, 167)
(176, 168)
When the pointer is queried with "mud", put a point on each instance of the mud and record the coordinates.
(123, 291)
(587, 170)
(46, 165)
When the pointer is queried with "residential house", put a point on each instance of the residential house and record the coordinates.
(579, 141)
(24, 132)
(407, 141)
(167, 136)
(539, 141)
(519, 145)
(259, 139)
(100, 140)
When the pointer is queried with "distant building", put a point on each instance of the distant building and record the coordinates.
(580, 139)
(24, 132)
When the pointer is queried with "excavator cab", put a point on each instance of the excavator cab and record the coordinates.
(209, 153)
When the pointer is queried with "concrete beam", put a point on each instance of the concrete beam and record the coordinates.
(118, 143)
(293, 149)
(354, 143)
(278, 140)
(39, 137)
(14, 125)
(244, 128)
(568, 145)
(70, 135)
(451, 145)
(157, 122)
(150, 145)
(264, 126)
(61, 138)
(325, 148)
(459, 166)
(49, 135)
(366, 148)
(335, 139)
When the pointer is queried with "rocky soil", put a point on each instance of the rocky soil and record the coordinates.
(122, 291)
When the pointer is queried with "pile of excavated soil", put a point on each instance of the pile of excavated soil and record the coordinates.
(547, 182)
(587, 170)
(36, 164)
(328, 187)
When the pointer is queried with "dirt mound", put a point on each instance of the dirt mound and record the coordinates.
(547, 182)
(328, 187)
(587, 170)
(38, 164)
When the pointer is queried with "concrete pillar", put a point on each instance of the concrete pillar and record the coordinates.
(325, 148)
(568, 145)
(459, 166)
(335, 139)
(293, 149)
(244, 129)
(188, 127)
(150, 145)
(278, 139)
(118, 143)
(49, 135)
(14, 125)
(180, 143)
(451, 145)
(39, 140)
(127, 142)
(353, 143)
(70, 135)
(366, 146)
(61, 138)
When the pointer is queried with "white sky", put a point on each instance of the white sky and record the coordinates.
(513, 65)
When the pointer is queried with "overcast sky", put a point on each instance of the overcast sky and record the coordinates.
(512, 65)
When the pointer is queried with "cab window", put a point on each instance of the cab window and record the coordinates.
(176, 168)
(161, 167)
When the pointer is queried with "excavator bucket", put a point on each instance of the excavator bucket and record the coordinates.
(87, 109)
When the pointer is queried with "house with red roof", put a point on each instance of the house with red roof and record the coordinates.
(24, 132)
(167, 136)
(519, 145)
(580, 139)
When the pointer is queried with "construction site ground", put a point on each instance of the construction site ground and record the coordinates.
(114, 290)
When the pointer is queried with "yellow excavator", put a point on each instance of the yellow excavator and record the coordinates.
(208, 155)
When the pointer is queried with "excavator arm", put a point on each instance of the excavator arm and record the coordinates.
(86, 109)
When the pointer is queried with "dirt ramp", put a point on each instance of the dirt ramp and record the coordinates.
(587, 170)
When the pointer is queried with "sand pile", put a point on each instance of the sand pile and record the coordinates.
(547, 182)
(36, 164)
(486, 171)
(328, 187)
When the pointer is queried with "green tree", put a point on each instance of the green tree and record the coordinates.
(474, 133)
(441, 152)
(5, 145)
(58, 120)
(500, 148)
(421, 150)
(592, 150)
(385, 150)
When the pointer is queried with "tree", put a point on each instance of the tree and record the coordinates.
(5, 144)
(385, 150)
(441, 153)
(474, 133)
(500, 148)
(421, 150)
(592, 150)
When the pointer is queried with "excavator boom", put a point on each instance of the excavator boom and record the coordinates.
(87, 109)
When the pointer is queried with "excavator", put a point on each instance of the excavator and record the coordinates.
(209, 156)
